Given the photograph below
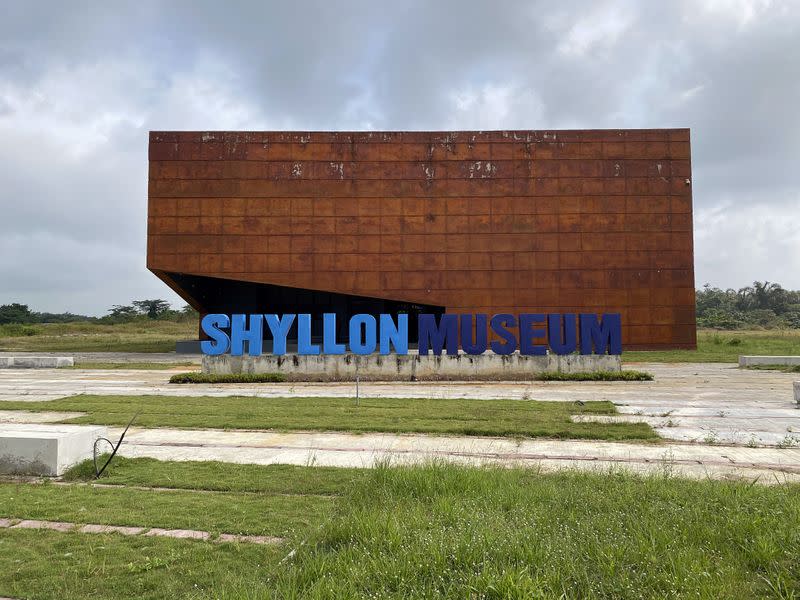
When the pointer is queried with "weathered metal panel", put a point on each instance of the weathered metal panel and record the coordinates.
(501, 221)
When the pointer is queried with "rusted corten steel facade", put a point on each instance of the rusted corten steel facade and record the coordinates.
(472, 222)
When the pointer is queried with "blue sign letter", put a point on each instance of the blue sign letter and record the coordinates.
(329, 345)
(240, 333)
(396, 335)
(304, 345)
(279, 330)
(220, 343)
(499, 324)
(369, 341)
(562, 337)
(527, 334)
(436, 338)
(605, 336)
(479, 346)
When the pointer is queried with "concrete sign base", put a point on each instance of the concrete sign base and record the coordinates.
(410, 367)
(27, 449)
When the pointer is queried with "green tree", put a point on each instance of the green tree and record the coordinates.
(16, 313)
(152, 308)
(120, 312)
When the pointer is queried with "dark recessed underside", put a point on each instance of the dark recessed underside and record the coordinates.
(228, 296)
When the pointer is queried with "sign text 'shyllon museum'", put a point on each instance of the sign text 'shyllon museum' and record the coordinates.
(530, 333)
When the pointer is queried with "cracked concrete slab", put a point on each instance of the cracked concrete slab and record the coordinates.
(35, 524)
(366, 450)
(111, 529)
(716, 416)
(183, 534)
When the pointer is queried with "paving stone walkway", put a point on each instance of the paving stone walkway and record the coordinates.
(191, 534)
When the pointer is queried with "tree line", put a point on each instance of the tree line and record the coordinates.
(761, 305)
(137, 310)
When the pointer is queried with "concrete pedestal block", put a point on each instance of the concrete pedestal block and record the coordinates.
(752, 361)
(797, 393)
(27, 449)
(36, 362)
(409, 367)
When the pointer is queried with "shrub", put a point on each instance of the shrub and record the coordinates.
(595, 376)
(19, 330)
(195, 377)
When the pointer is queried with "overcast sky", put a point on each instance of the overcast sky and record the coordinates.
(82, 83)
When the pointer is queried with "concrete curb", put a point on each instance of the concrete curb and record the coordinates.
(36, 362)
(784, 361)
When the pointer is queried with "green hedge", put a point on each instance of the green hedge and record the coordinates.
(194, 377)
(595, 376)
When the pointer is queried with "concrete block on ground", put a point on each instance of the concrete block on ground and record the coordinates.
(785, 361)
(36, 362)
(34, 449)
(409, 367)
(188, 347)
(797, 393)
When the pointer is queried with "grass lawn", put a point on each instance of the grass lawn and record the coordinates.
(56, 566)
(447, 531)
(524, 418)
(139, 336)
(139, 366)
(417, 532)
(218, 512)
(726, 346)
(221, 477)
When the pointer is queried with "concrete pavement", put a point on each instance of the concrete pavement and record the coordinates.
(713, 414)
(708, 402)
(769, 465)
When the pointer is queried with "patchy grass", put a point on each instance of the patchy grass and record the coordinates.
(455, 532)
(137, 336)
(195, 377)
(54, 566)
(219, 476)
(726, 346)
(513, 418)
(143, 366)
(596, 376)
(427, 531)
(219, 512)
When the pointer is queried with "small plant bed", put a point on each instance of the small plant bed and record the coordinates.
(595, 376)
(501, 417)
(197, 377)
(783, 368)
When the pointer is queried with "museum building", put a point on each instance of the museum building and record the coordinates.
(589, 221)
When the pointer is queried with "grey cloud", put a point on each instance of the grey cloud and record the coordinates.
(81, 84)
